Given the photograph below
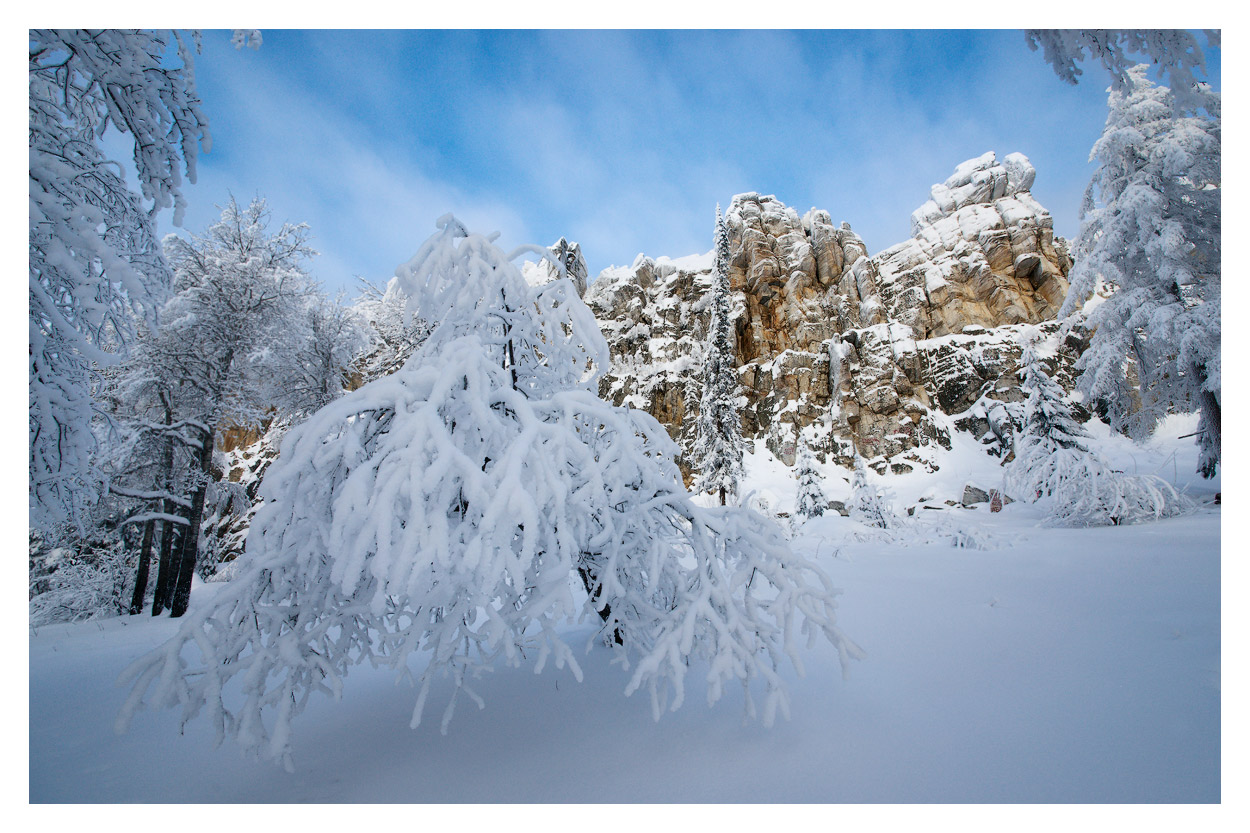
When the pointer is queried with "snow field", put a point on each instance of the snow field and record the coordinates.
(1060, 666)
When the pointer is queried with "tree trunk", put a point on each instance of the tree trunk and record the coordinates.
(595, 588)
(141, 574)
(167, 569)
(169, 531)
(1209, 423)
(191, 535)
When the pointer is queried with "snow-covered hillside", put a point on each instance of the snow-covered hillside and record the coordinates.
(1054, 666)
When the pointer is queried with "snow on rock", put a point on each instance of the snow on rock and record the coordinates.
(542, 272)
(983, 255)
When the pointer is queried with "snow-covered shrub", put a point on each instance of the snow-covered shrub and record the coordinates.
(960, 533)
(1055, 467)
(88, 581)
(453, 507)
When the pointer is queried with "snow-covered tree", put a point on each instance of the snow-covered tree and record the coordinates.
(1151, 230)
(1049, 421)
(320, 358)
(870, 504)
(395, 332)
(95, 266)
(221, 358)
(90, 580)
(717, 454)
(811, 501)
(1055, 466)
(450, 507)
(1175, 53)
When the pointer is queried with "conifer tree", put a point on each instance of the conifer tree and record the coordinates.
(1151, 231)
(811, 501)
(718, 431)
(869, 504)
(1055, 466)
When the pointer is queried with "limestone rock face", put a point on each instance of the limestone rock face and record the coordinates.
(860, 353)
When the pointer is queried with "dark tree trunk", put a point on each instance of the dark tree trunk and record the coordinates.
(171, 539)
(595, 588)
(141, 573)
(1209, 442)
(191, 535)
(169, 530)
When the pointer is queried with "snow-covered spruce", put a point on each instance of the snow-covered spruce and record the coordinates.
(1175, 53)
(717, 455)
(870, 504)
(1151, 230)
(810, 501)
(1055, 467)
(458, 507)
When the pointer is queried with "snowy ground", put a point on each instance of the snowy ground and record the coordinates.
(1057, 666)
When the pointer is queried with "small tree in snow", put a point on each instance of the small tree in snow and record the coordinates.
(448, 508)
(870, 504)
(314, 366)
(1152, 231)
(1055, 466)
(811, 501)
(717, 456)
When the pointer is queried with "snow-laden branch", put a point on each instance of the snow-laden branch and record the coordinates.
(450, 509)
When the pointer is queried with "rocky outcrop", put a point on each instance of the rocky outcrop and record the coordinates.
(566, 253)
(861, 353)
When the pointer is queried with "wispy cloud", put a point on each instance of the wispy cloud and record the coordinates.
(623, 141)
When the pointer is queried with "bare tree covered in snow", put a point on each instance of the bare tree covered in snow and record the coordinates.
(451, 508)
(1151, 230)
(394, 331)
(327, 347)
(1055, 467)
(95, 266)
(718, 432)
(225, 353)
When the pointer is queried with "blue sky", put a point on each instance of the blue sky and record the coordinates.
(622, 141)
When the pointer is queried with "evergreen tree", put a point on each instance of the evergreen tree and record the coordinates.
(870, 504)
(450, 506)
(811, 501)
(1175, 53)
(1055, 466)
(1151, 230)
(717, 456)
(1049, 421)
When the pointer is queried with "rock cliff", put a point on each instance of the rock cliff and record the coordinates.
(872, 353)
